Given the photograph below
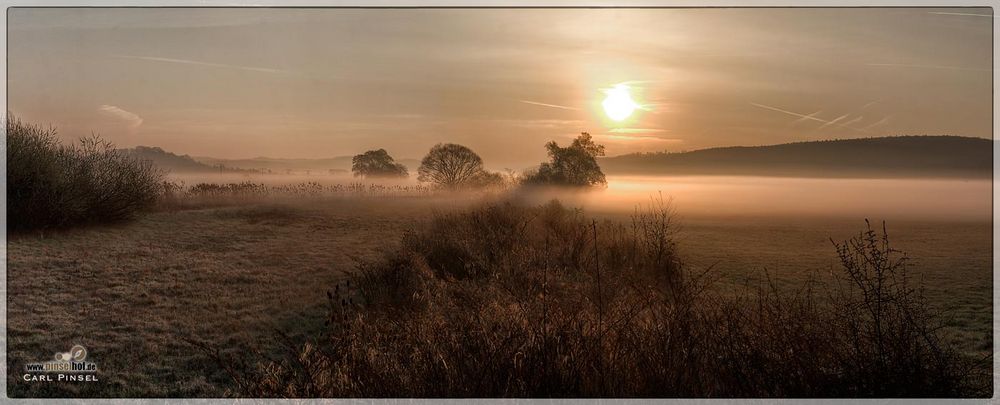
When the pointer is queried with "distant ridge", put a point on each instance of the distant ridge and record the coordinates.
(169, 161)
(278, 165)
(897, 156)
(175, 163)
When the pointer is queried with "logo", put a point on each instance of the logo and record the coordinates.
(77, 353)
(67, 366)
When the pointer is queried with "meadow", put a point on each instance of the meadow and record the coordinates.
(248, 275)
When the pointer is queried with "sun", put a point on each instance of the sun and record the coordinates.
(618, 104)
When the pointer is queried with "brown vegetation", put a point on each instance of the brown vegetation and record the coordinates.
(506, 301)
(50, 185)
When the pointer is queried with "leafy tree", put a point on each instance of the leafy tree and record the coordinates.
(452, 166)
(377, 163)
(575, 165)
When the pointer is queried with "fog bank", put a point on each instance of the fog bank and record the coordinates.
(911, 199)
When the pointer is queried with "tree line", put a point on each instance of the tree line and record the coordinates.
(455, 166)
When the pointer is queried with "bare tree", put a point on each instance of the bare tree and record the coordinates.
(450, 165)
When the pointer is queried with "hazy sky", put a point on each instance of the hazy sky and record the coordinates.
(331, 82)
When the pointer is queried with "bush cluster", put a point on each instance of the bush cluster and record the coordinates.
(50, 185)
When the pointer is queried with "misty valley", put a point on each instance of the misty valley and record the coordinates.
(414, 202)
(228, 257)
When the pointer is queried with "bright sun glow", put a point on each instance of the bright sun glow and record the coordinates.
(618, 104)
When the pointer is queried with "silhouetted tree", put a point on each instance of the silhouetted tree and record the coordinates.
(575, 165)
(377, 163)
(487, 179)
(450, 165)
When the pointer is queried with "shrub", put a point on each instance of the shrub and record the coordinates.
(508, 301)
(50, 185)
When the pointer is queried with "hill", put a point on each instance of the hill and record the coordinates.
(175, 163)
(169, 161)
(899, 156)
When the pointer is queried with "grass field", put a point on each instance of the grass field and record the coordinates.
(136, 294)
(133, 293)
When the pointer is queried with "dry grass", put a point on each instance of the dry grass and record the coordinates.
(953, 260)
(228, 276)
(507, 301)
(133, 293)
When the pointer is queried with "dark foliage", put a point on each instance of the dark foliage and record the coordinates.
(454, 166)
(575, 165)
(377, 163)
(50, 185)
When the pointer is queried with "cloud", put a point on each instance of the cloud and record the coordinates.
(200, 63)
(133, 120)
(549, 105)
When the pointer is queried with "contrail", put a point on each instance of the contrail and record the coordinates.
(199, 63)
(880, 122)
(548, 105)
(848, 123)
(810, 117)
(133, 119)
(637, 130)
(834, 121)
(803, 117)
(928, 66)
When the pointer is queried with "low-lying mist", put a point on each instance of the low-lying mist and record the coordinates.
(284, 179)
(722, 196)
(890, 199)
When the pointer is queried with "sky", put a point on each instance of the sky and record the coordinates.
(312, 83)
